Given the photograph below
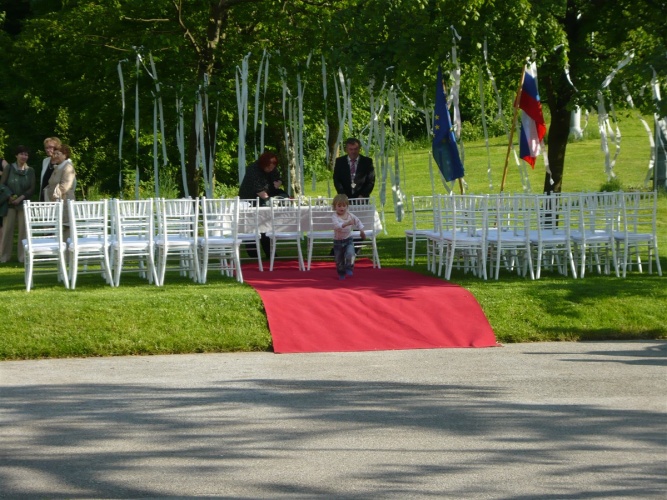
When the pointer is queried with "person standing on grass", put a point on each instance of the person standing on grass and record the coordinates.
(344, 222)
(48, 164)
(62, 183)
(354, 175)
(19, 177)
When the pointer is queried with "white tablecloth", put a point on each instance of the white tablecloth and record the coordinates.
(265, 220)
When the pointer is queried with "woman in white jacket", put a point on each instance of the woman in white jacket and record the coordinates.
(62, 183)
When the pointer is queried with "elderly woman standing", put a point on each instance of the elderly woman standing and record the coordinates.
(62, 182)
(20, 179)
(48, 165)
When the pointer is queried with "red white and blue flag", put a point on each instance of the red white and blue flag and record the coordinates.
(533, 127)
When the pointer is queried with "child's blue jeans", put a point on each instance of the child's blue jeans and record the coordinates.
(344, 255)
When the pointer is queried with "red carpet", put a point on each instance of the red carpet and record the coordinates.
(376, 309)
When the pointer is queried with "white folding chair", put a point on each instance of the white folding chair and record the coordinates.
(219, 241)
(437, 241)
(320, 225)
(593, 238)
(44, 243)
(467, 237)
(248, 231)
(550, 233)
(638, 229)
(285, 229)
(364, 209)
(177, 237)
(508, 234)
(423, 224)
(89, 238)
(133, 238)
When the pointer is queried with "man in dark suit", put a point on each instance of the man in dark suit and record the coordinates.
(354, 174)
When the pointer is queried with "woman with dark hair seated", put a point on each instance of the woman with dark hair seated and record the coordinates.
(262, 180)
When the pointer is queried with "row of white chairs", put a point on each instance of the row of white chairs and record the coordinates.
(569, 232)
(155, 234)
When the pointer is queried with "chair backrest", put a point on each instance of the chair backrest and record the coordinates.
(320, 211)
(285, 216)
(89, 220)
(599, 212)
(552, 213)
(639, 212)
(470, 215)
(364, 209)
(422, 210)
(178, 218)
(43, 223)
(133, 220)
(220, 217)
(513, 213)
(248, 225)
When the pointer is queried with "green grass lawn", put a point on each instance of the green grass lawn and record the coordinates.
(182, 317)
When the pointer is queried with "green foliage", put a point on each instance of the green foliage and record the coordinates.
(612, 185)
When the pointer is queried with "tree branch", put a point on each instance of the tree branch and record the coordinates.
(181, 23)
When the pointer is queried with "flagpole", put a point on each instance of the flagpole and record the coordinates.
(509, 145)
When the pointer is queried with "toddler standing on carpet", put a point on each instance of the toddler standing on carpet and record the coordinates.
(344, 222)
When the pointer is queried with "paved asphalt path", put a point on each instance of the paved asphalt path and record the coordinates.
(547, 420)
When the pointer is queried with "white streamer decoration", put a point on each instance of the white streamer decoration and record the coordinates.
(180, 143)
(122, 125)
(242, 106)
(485, 129)
(327, 156)
(136, 129)
(456, 112)
(605, 129)
(628, 57)
(257, 92)
(156, 176)
(651, 161)
(165, 160)
(660, 124)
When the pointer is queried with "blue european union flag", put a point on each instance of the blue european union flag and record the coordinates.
(445, 151)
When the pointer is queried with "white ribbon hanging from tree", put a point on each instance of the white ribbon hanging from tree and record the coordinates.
(484, 128)
(651, 161)
(660, 125)
(153, 75)
(156, 175)
(136, 129)
(394, 118)
(242, 106)
(605, 130)
(300, 89)
(327, 156)
(263, 69)
(122, 125)
(456, 87)
(180, 143)
(604, 124)
(290, 132)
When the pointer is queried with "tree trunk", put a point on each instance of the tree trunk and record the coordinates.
(559, 132)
